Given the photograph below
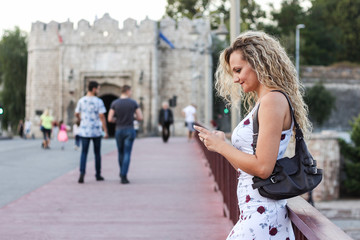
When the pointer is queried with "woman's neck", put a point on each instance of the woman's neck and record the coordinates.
(262, 91)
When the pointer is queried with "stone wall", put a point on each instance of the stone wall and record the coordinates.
(63, 59)
(325, 150)
(344, 84)
(184, 69)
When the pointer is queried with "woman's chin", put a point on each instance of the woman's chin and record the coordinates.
(245, 89)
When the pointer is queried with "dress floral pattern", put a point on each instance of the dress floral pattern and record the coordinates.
(260, 218)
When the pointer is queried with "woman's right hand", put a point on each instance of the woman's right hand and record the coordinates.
(212, 140)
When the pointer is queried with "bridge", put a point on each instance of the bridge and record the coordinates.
(171, 196)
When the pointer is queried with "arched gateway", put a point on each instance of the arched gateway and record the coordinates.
(62, 60)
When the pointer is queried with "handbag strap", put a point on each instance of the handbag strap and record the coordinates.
(298, 133)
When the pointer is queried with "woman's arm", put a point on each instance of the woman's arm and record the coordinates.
(273, 112)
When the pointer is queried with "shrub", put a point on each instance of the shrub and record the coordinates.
(320, 102)
(351, 154)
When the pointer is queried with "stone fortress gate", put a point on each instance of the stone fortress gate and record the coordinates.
(63, 59)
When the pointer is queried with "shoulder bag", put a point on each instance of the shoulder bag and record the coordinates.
(291, 176)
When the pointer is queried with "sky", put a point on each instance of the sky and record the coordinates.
(23, 13)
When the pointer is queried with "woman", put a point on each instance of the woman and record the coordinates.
(46, 122)
(250, 69)
(62, 135)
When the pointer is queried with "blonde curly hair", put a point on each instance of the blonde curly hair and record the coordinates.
(273, 68)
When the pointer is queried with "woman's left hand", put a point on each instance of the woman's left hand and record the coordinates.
(211, 139)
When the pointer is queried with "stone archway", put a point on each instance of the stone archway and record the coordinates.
(108, 99)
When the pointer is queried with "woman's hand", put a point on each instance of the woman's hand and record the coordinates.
(212, 140)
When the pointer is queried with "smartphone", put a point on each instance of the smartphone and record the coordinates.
(200, 126)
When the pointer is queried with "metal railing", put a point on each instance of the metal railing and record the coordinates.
(308, 223)
(225, 177)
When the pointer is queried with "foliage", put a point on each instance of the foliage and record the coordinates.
(322, 35)
(351, 154)
(320, 102)
(251, 13)
(289, 15)
(347, 19)
(13, 66)
(331, 35)
(177, 9)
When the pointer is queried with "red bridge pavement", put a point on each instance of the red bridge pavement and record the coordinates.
(170, 197)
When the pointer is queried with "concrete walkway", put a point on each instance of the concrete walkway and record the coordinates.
(343, 213)
(170, 196)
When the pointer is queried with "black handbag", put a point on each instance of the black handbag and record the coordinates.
(291, 176)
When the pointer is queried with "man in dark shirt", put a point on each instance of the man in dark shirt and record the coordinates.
(165, 120)
(122, 112)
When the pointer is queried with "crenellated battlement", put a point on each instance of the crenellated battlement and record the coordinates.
(106, 30)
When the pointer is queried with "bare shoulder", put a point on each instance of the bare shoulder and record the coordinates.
(275, 101)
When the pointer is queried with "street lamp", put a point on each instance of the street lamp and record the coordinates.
(297, 57)
(235, 22)
(203, 47)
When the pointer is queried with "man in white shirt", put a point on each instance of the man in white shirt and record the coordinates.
(189, 113)
(90, 112)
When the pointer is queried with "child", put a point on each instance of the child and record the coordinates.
(76, 131)
(62, 136)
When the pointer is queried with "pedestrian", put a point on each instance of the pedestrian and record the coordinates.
(55, 130)
(251, 69)
(20, 128)
(90, 112)
(165, 120)
(46, 123)
(136, 127)
(27, 128)
(189, 112)
(76, 134)
(62, 135)
(122, 112)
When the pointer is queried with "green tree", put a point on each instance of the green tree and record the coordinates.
(322, 34)
(320, 102)
(351, 154)
(13, 67)
(284, 24)
(251, 13)
(332, 32)
(347, 17)
(289, 15)
(177, 9)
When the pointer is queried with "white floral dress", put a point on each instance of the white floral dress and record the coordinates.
(260, 218)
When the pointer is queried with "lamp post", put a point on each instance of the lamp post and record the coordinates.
(297, 57)
(235, 15)
(221, 32)
(234, 19)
